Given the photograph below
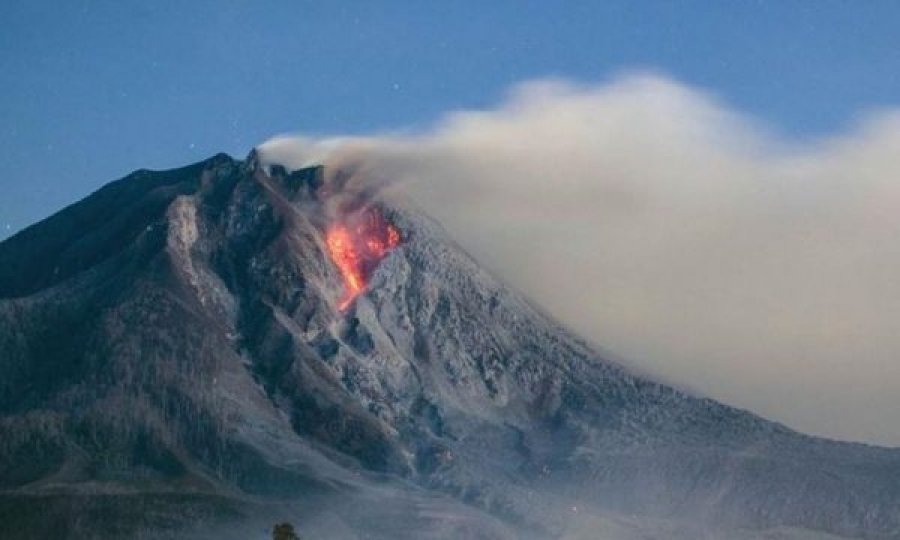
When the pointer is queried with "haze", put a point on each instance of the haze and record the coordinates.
(677, 234)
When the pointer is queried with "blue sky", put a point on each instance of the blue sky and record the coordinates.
(92, 90)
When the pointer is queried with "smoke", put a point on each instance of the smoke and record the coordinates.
(662, 225)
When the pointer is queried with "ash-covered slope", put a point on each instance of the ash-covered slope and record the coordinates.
(173, 356)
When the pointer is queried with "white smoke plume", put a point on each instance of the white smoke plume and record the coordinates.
(680, 234)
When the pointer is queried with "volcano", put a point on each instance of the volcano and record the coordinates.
(201, 353)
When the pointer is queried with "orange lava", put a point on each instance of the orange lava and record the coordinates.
(356, 246)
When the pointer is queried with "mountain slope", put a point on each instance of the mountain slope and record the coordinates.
(177, 337)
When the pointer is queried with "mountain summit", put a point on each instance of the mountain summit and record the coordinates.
(204, 351)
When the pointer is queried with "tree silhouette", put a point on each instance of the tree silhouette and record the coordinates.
(284, 531)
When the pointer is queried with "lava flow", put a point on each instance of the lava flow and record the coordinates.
(356, 246)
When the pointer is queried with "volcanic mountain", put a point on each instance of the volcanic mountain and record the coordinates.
(204, 351)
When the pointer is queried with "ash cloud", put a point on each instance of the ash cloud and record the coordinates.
(682, 235)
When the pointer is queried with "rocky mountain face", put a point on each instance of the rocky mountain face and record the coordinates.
(175, 362)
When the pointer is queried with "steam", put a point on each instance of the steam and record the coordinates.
(664, 226)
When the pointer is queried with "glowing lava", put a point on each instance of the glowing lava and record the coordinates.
(356, 246)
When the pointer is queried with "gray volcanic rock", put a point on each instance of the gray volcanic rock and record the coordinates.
(174, 363)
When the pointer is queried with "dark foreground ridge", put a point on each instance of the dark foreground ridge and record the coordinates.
(173, 364)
